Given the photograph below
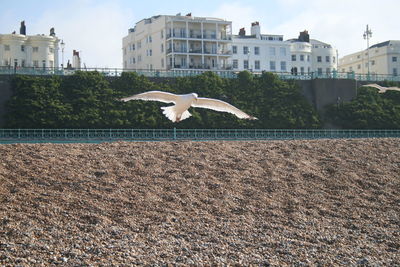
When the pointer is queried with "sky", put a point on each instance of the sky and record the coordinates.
(95, 28)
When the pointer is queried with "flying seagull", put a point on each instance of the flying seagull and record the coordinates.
(381, 89)
(179, 111)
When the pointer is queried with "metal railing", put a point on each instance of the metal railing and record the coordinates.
(180, 71)
(103, 135)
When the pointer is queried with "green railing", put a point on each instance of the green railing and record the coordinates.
(100, 135)
(194, 72)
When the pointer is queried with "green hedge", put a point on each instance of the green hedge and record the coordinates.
(369, 110)
(89, 100)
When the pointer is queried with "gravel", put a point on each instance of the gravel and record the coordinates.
(297, 203)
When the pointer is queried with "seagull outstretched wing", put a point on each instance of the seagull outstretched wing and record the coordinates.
(222, 106)
(153, 96)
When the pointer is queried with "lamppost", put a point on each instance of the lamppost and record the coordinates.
(367, 34)
(62, 53)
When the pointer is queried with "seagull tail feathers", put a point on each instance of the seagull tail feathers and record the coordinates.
(171, 114)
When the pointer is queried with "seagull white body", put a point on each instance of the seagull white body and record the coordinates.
(179, 111)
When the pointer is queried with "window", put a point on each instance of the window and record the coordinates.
(139, 58)
(256, 50)
(36, 63)
(272, 51)
(162, 63)
(245, 50)
(308, 58)
(234, 49)
(7, 47)
(309, 70)
(394, 59)
(372, 62)
(162, 34)
(139, 44)
(51, 50)
(51, 63)
(394, 71)
(282, 51)
(359, 66)
(272, 65)
(235, 64)
(150, 39)
(133, 47)
(328, 71)
(293, 57)
(350, 69)
(319, 71)
(257, 64)
(302, 70)
(44, 63)
(334, 59)
(22, 48)
(35, 49)
(319, 59)
(15, 62)
(283, 65)
(22, 63)
(162, 48)
(327, 59)
(301, 57)
(246, 64)
(133, 60)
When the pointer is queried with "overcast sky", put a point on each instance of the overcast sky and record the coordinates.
(96, 27)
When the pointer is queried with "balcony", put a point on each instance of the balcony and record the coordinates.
(195, 36)
(177, 35)
(176, 50)
(195, 51)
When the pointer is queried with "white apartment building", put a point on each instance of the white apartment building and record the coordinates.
(178, 42)
(312, 56)
(263, 52)
(384, 58)
(260, 52)
(21, 50)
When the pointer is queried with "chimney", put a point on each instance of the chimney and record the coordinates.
(52, 32)
(22, 29)
(304, 36)
(189, 14)
(255, 29)
(242, 32)
(76, 60)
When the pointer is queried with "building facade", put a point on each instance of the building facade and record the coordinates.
(312, 56)
(384, 59)
(260, 52)
(263, 52)
(21, 50)
(178, 42)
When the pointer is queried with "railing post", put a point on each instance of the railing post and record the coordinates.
(174, 133)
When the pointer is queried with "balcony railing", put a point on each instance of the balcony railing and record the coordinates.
(177, 50)
(198, 35)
